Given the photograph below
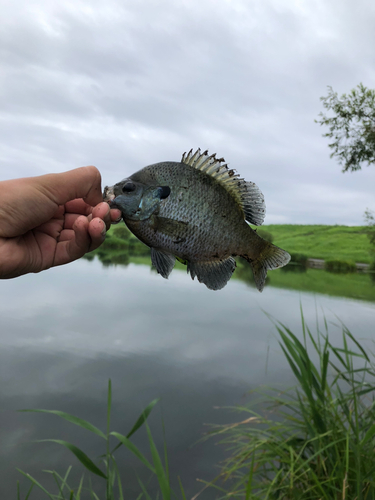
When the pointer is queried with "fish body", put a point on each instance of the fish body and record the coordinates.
(198, 211)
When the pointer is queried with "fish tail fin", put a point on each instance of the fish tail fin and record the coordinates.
(271, 257)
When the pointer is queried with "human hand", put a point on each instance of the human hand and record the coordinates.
(51, 220)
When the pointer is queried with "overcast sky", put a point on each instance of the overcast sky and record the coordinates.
(123, 84)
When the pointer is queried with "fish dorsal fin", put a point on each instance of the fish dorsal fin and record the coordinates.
(246, 194)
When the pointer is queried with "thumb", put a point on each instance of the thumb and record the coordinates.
(83, 182)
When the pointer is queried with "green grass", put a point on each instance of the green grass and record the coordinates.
(105, 467)
(323, 242)
(120, 238)
(312, 442)
(340, 266)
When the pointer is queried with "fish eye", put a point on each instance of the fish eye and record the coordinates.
(165, 191)
(128, 187)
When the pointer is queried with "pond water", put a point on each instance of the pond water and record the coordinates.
(65, 332)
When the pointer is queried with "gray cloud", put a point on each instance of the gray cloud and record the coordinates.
(125, 84)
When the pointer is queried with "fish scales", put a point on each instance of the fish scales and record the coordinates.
(201, 202)
(198, 211)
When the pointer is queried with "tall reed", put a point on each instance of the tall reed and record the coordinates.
(108, 471)
(315, 441)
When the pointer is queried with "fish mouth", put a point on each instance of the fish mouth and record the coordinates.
(108, 195)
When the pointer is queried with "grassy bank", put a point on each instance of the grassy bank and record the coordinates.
(323, 242)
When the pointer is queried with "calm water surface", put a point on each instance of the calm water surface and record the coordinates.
(65, 332)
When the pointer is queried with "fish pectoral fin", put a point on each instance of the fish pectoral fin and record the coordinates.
(215, 274)
(175, 229)
(163, 262)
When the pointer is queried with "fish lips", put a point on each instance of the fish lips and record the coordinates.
(108, 197)
(108, 194)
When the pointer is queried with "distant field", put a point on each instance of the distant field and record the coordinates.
(323, 242)
(315, 241)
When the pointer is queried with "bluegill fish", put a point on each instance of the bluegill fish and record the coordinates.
(197, 210)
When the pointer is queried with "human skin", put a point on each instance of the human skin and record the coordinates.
(51, 220)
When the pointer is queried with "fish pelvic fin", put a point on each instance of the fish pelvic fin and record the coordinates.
(214, 274)
(271, 257)
(247, 194)
(163, 262)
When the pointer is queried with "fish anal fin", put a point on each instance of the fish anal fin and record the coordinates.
(163, 262)
(214, 274)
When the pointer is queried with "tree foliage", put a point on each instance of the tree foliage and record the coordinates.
(352, 126)
(370, 220)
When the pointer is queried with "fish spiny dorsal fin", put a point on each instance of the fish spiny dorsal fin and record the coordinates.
(247, 194)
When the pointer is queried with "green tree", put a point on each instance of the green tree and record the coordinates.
(370, 221)
(352, 126)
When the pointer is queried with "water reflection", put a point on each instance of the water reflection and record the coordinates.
(301, 274)
(78, 385)
(66, 331)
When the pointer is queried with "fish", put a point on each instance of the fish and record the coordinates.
(197, 211)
